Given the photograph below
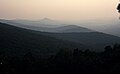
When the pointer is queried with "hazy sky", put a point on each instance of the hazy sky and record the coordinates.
(58, 9)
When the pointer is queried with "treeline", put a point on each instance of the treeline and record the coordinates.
(64, 62)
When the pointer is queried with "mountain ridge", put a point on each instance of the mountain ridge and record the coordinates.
(61, 29)
(18, 41)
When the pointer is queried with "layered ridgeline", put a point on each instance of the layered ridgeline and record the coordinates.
(19, 41)
(80, 35)
(113, 29)
(27, 23)
(47, 25)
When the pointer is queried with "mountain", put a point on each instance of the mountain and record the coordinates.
(113, 29)
(109, 26)
(47, 21)
(73, 28)
(57, 29)
(18, 41)
(40, 23)
(97, 40)
(68, 34)
(62, 29)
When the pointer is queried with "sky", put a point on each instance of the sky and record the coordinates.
(66, 10)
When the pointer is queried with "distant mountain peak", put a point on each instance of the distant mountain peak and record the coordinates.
(47, 19)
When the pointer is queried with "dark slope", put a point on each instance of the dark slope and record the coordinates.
(18, 41)
(96, 40)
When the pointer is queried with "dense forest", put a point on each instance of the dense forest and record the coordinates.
(64, 62)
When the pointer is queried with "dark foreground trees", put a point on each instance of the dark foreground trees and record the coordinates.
(64, 62)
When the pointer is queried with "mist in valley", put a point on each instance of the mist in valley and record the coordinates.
(59, 37)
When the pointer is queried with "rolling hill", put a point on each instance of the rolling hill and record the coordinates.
(75, 34)
(18, 41)
(57, 29)
(97, 40)
(112, 29)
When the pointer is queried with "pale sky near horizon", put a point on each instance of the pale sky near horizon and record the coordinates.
(58, 9)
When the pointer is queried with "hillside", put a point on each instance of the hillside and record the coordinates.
(18, 41)
(80, 35)
(97, 40)
(113, 29)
